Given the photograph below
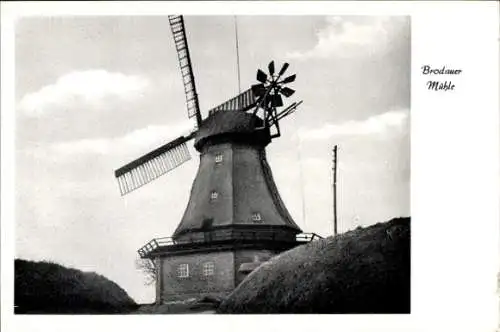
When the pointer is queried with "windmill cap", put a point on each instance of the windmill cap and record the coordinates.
(232, 126)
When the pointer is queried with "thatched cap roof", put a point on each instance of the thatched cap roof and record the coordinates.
(234, 125)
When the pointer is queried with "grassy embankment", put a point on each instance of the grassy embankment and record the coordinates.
(49, 288)
(366, 270)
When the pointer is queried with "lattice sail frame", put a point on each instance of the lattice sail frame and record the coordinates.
(152, 165)
(242, 102)
(181, 46)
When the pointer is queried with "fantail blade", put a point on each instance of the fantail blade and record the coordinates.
(289, 79)
(276, 100)
(287, 92)
(258, 90)
(284, 68)
(261, 76)
(271, 68)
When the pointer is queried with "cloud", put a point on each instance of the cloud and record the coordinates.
(90, 87)
(377, 124)
(93, 146)
(345, 36)
(138, 140)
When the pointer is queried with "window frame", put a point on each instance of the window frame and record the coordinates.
(181, 272)
(257, 217)
(208, 266)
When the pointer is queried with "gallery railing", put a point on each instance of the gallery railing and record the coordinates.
(211, 237)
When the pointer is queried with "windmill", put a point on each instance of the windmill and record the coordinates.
(235, 214)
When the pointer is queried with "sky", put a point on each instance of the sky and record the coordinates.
(93, 93)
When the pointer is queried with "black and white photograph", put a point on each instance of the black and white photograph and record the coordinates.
(245, 164)
(221, 163)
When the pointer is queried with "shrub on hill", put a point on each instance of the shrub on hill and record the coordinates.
(44, 288)
(366, 270)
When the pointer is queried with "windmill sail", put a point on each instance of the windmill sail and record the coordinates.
(153, 165)
(241, 102)
(177, 26)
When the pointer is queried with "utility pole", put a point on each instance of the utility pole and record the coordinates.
(334, 168)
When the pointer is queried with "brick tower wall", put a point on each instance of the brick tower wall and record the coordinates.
(226, 277)
(173, 288)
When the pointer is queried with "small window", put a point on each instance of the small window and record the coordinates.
(214, 195)
(256, 217)
(208, 269)
(183, 271)
(218, 158)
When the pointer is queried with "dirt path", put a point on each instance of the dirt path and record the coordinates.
(175, 308)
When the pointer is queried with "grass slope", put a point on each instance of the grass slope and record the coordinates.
(366, 270)
(45, 288)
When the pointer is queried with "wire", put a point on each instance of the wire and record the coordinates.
(302, 184)
(301, 174)
(237, 53)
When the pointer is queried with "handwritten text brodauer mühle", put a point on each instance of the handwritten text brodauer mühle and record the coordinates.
(440, 85)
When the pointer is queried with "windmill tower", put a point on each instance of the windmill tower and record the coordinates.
(235, 218)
